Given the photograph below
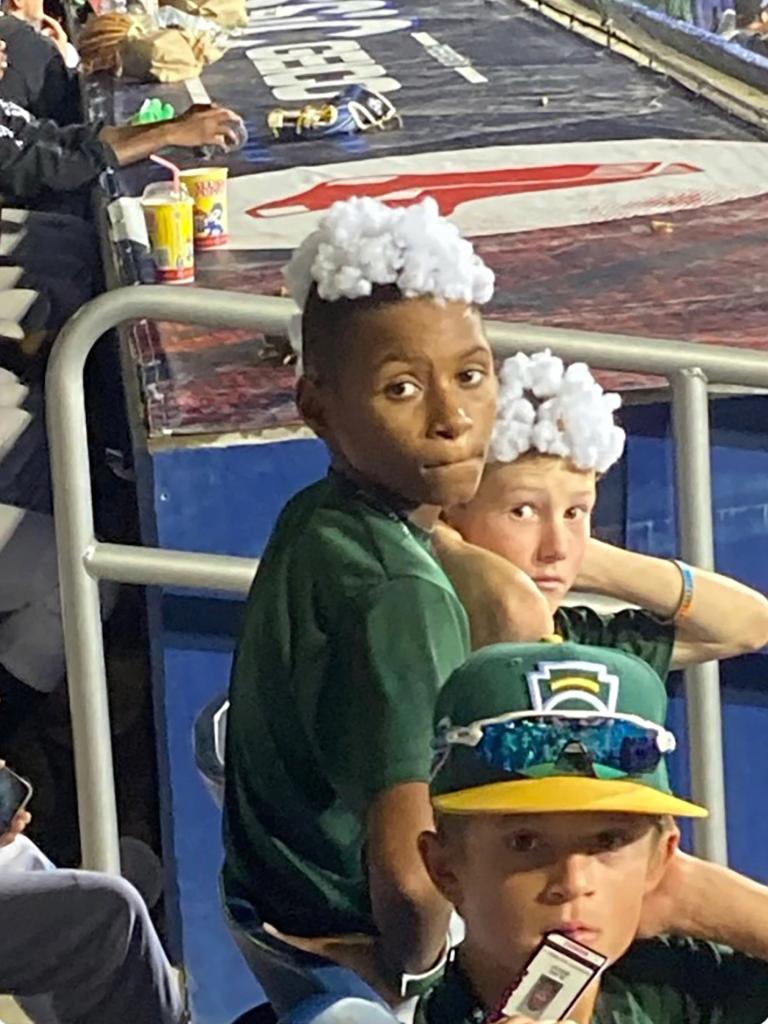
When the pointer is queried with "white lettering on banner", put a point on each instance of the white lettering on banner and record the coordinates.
(341, 7)
(352, 28)
(378, 19)
(318, 70)
(301, 71)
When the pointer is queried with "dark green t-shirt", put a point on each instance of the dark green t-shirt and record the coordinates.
(350, 630)
(632, 630)
(663, 981)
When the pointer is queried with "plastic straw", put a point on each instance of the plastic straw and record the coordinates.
(172, 168)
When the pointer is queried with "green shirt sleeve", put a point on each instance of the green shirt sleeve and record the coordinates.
(375, 722)
(683, 981)
(737, 988)
(632, 630)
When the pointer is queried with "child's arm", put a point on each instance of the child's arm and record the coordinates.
(726, 618)
(411, 915)
(373, 729)
(706, 901)
(503, 603)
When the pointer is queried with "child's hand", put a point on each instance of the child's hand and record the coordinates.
(502, 602)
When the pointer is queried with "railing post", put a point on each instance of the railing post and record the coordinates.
(690, 418)
(81, 610)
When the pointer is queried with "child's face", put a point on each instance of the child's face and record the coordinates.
(535, 512)
(412, 407)
(515, 878)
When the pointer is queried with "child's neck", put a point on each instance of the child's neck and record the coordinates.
(584, 1011)
(423, 516)
(490, 981)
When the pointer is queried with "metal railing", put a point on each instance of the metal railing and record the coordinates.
(83, 560)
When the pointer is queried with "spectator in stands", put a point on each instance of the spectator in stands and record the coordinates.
(78, 947)
(31, 638)
(351, 626)
(48, 167)
(554, 814)
(41, 58)
(554, 437)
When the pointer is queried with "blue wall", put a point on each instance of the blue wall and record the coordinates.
(222, 500)
(740, 491)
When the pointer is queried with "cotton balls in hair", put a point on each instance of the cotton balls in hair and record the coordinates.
(546, 407)
(361, 243)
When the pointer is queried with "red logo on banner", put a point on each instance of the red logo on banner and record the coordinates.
(454, 188)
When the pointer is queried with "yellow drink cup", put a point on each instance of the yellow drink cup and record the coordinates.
(169, 217)
(208, 188)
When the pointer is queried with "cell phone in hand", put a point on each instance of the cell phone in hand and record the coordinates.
(553, 980)
(15, 794)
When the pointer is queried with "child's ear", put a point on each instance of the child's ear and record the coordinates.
(669, 844)
(311, 406)
(439, 858)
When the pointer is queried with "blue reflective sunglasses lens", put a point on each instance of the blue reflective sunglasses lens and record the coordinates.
(517, 745)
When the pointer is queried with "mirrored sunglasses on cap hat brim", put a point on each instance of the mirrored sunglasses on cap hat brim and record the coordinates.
(521, 741)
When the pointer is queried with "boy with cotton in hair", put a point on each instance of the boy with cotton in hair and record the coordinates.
(554, 814)
(352, 626)
(554, 438)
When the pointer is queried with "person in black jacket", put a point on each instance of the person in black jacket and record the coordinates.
(38, 77)
(39, 160)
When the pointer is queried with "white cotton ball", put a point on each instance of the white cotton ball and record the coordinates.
(574, 420)
(509, 391)
(578, 374)
(522, 411)
(546, 374)
(550, 410)
(509, 441)
(412, 247)
(515, 372)
(544, 435)
(298, 273)
(612, 401)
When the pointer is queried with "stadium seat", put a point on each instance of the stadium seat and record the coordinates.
(210, 734)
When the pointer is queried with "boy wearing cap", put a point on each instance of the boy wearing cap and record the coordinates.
(352, 626)
(554, 437)
(554, 814)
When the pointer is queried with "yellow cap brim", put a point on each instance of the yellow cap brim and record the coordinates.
(564, 794)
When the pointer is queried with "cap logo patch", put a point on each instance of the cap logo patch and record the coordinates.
(576, 684)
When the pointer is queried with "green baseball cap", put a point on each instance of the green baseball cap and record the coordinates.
(550, 680)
